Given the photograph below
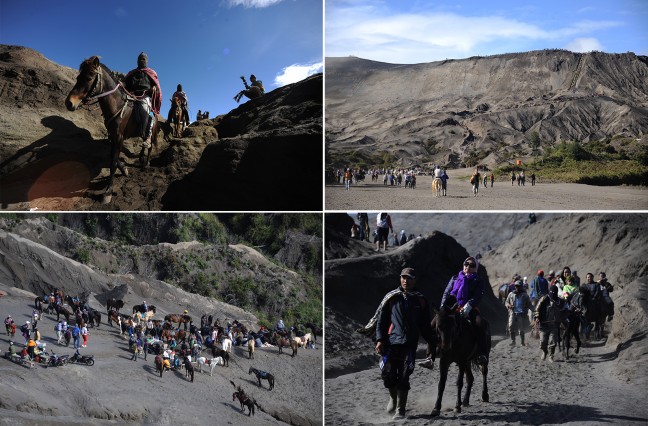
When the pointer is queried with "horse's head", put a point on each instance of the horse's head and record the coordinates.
(251, 370)
(89, 76)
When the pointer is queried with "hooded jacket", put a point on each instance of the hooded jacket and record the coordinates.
(403, 318)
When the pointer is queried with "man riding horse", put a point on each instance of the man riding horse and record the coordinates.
(143, 82)
(184, 104)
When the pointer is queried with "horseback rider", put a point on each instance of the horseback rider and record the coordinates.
(518, 303)
(550, 312)
(402, 316)
(606, 289)
(184, 104)
(539, 287)
(143, 82)
(253, 90)
(468, 288)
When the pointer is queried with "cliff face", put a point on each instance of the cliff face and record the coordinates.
(443, 110)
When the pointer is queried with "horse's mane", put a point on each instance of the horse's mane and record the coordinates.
(115, 75)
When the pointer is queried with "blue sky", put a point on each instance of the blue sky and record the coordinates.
(405, 32)
(204, 44)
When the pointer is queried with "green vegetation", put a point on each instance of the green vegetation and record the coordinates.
(203, 227)
(596, 163)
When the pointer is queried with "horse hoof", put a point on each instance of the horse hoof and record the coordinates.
(435, 413)
(106, 199)
(457, 410)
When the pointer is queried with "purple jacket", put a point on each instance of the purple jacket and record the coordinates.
(466, 290)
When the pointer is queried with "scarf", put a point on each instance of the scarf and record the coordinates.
(460, 290)
(370, 329)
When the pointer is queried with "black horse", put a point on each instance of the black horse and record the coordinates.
(61, 310)
(263, 375)
(245, 401)
(114, 303)
(221, 353)
(94, 317)
(189, 369)
(142, 310)
(457, 342)
(596, 312)
(315, 330)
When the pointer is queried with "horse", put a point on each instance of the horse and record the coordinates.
(570, 327)
(211, 362)
(189, 369)
(176, 119)
(159, 366)
(140, 309)
(457, 344)
(114, 303)
(263, 375)
(73, 302)
(61, 310)
(595, 312)
(179, 319)
(436, 187)
(285, 341)
(250, 345)
(227, 345)
(68, 336)
(94, 318)
(222, 354)
(95, 84)
(245, 401)
(315, 330)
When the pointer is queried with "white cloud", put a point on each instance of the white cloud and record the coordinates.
(584, 45)
(375, 33)
(297, 72)
(252, 3)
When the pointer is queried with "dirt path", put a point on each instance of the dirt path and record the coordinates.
(523, 390)
(503, 196)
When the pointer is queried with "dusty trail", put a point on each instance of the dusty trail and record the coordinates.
(503, 196)
(523, 390)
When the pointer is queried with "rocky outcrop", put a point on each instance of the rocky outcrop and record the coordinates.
(441, 110)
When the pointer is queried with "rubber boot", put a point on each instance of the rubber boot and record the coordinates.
(402, 402)
(391, 405)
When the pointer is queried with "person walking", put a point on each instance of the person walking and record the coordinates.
(403, 316)
(474, 180)
(549, 313)
(518, 304)
(384, 225)
(84, 334)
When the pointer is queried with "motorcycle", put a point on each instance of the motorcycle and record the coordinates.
(82, 359)
(57, 360)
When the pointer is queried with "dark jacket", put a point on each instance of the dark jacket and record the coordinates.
(403, 319)
(550, 312)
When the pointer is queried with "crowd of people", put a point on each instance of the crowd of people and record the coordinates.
(550, 299)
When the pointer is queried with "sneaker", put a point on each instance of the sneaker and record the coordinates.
(543, 356)
(427, 363)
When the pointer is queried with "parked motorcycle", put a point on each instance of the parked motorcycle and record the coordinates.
(57, 360)
(82, 359)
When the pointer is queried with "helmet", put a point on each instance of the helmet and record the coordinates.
(553, 290)
(186, 311)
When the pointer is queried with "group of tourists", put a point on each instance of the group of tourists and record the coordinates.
(520, 178)
(550, 299)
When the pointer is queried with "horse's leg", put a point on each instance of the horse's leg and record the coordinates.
(443, 376)
(576, 333)
(460, 376)
(470, 379)
(484, 371)
(115, 148)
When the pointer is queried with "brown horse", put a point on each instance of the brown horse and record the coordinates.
(179, 319)
(250, 345)
(245, 401)
(158, 364)
(95, 84)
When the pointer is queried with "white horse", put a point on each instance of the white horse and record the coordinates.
(211, 362)
(436, 186)
(227, 345)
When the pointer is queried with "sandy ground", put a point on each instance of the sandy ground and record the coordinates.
(523, 390)
(503, 196)
(117, 389)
